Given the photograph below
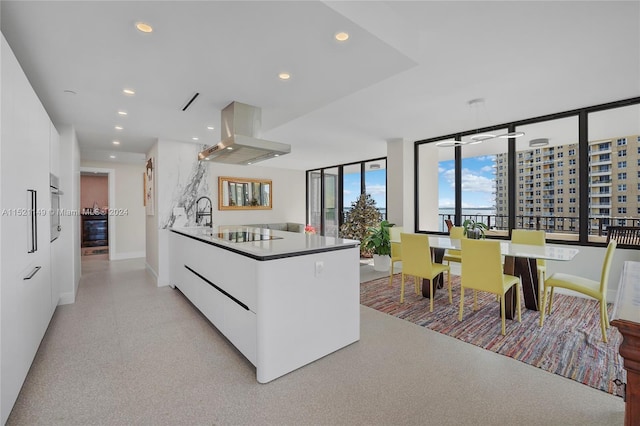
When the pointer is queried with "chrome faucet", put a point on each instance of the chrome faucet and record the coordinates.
(205, 211)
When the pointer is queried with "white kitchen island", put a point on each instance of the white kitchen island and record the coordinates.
(283, 299)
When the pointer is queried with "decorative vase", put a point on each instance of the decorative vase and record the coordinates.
(381, 262)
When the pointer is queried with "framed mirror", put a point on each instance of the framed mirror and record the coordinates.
(236, 193)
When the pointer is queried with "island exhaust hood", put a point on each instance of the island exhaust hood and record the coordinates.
(240, 131)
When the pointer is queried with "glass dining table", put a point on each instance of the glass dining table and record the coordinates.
(520, 260)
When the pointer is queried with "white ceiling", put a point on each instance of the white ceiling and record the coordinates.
(407, 71)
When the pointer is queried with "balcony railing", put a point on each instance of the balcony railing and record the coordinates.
(565, 224)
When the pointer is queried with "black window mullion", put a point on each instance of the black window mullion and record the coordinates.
(583, 179)
(458, 179)
(511, 180)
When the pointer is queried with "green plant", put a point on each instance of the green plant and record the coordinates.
(474, 230)
(362, 215)
(378, 239)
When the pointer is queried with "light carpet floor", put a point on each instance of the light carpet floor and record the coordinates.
(128, 353)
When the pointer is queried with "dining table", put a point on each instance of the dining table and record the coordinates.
(519, 260)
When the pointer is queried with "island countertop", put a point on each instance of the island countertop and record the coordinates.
(264, 244)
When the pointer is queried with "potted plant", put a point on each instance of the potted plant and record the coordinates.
(378, 241)
(362, 215)
(474, 230)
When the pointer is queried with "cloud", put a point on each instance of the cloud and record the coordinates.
(473, 182)
(376, 189)
(446, 203)
(487, 169)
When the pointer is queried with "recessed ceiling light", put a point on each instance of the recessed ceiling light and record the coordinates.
(210, 127)
(342, 36)
(284, 76)
(116, 142)
(195, 138)
(230, 148)
(276, 155)
(128, 91)
(112, 156)
(144, 27)
(122, 112)
(118, 127)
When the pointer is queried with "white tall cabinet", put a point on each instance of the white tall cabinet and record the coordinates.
(26, 298)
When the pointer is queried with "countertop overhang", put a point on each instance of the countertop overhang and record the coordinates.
(284, 244)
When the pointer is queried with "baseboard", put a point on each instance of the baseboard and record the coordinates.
(152, 272)
(66, 298)
(128, 255)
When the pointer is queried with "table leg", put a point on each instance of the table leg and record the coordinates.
(527, 270)
(437, 255)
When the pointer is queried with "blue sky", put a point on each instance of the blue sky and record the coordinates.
(375, 185)
(478, 182)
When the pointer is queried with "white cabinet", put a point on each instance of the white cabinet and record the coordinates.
(277, 310)
(196, 269)
(25, 280)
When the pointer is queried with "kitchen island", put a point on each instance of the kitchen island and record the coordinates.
(283, 299)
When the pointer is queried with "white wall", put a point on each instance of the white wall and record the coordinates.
(127, 215)
(69, 240)
(400, 192)
(151, 228)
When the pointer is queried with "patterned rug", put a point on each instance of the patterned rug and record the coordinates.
(570, 343)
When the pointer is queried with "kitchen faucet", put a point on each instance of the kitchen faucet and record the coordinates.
(205, 211)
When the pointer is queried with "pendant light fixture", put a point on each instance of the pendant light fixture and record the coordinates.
(480, 137)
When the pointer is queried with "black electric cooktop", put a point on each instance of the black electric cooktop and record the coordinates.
(242, 237)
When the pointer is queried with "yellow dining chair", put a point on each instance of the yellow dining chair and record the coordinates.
(396, 249)
(482, 271)
(416, 261)
(534, 238)
(452, 255)
(591, 288)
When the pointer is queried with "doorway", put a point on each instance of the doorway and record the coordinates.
(96, 195)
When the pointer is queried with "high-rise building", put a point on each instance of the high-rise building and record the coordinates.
(547, 192)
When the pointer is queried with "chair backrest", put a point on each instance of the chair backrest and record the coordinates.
(529, 236)
(606, 266)
(416, 255)
(482, 265)
(449, 224)
(396, 248)
(456, 232)
(624, 235)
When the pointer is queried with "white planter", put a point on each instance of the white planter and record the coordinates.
(381, 262)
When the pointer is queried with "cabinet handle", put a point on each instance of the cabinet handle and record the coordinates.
(245, 307)
(35, 271)
(34, 220)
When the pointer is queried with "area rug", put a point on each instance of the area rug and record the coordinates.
(570, 343)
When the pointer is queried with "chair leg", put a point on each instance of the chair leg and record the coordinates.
(544, 306)
(391, 274)
(431, 295)
(550, 301)
(518, 303)
(503, 315)
(603, 320)
(416, 285)
(450, 293)
(461, 303)
(402, 290)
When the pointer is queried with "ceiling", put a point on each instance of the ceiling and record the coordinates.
(407, 70)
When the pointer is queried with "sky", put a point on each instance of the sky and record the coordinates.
(478, 182)
(376, 183)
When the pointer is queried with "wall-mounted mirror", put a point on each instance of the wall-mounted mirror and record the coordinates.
(244, 193)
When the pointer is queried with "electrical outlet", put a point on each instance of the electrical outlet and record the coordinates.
(319, 268)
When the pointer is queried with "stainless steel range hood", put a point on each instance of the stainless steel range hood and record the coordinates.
(240, 134)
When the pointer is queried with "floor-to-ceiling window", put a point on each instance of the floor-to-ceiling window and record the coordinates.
(572, 174)
(331, 191)
(547, 178)
(614, 170)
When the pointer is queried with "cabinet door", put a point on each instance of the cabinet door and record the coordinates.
(25, 305)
